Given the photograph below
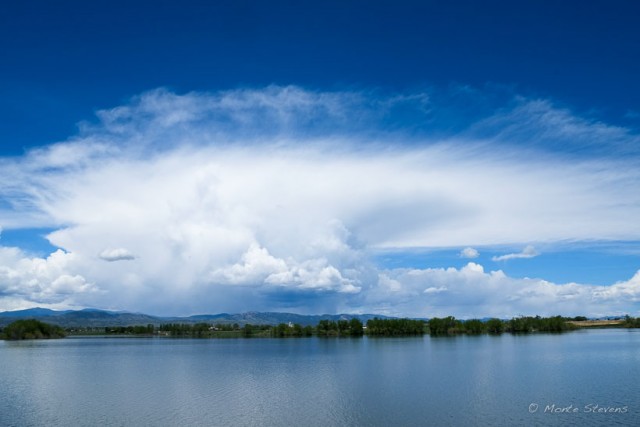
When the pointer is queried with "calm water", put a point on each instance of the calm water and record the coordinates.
(492, 381)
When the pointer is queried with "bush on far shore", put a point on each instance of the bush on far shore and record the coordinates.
(30, 329)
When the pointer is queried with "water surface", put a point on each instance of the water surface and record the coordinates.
(538, 379)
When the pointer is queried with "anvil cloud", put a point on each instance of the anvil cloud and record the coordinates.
(277, 198)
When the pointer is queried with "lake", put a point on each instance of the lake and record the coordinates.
(585, 378)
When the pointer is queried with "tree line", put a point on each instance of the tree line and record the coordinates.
(395, 327)
(341, 328)
(207, 330)
(30, 329)
(325, 328)
(284, 330)
(524, 324)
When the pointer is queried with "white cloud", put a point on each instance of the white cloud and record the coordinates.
(469, 253)
(118, 254)
(539, 123)
(625, 291)
(257, 267)
(42, 280)
(471, 292)
(275, 197)
(528, 252)
(434, 290)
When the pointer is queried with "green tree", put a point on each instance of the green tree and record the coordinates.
(280, 330)
(343, 327)
(394, 327)
(631, 322)
(327, 328)
(355, 327)
(495, 326)
(26, 329)
(247, 330)
(444, 326)
(474, 326)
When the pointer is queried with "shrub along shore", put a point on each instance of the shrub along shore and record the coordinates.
(28, 329)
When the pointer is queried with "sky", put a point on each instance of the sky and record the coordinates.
(403, 158)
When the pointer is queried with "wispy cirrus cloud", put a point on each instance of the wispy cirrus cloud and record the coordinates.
(272, 198)
(528, 252)
(538, 123)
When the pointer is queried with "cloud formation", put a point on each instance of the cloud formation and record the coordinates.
(118, 254)
(50, 280)
(469, 253)
(257, 267)
(274, 198)
(528, 252)
(477, 293)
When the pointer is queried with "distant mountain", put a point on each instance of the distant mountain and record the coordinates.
(31, 312)
(100, 318)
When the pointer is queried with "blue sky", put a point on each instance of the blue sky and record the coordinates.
(404, 158)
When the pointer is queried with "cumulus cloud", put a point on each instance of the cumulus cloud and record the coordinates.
(627, 290)
(276, 197)
(118, 254)
(48, 280)
(257, 267)
(469, 253)
(471, 292)
(528, 252)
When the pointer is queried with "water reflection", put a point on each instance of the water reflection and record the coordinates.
(484, 380)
